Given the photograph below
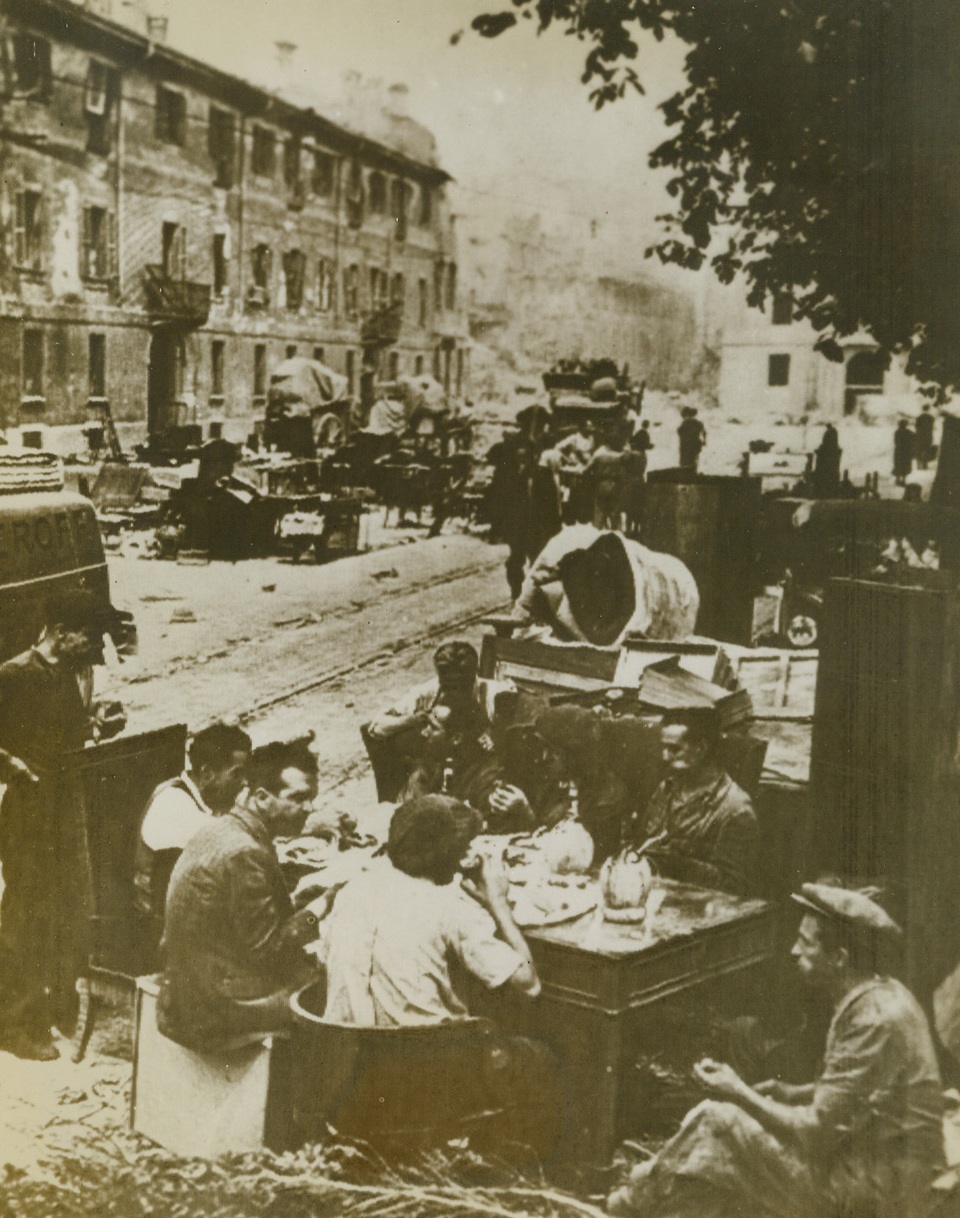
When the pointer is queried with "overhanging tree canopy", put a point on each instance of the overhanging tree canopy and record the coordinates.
(815, 149)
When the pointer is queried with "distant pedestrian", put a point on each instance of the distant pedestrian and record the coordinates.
(904, 451)
(635, 467)
(693, 437)
(924, 428)
(826, 468)
(606, 474)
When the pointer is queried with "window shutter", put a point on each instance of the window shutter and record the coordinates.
(20, 231)
(40, 225)
(85, 243)
(112, 268)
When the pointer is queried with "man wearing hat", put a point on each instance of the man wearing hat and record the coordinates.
(865, 1139)
(706, 823)
(449, 720)
(43, 718)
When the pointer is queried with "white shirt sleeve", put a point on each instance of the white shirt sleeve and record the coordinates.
(171, 821)
(481, 952)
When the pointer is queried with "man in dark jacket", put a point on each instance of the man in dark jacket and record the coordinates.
(705, 822)
(42, 720)
(232, 943)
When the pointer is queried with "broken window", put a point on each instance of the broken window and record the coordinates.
(29, 59)
(294, 268)
(260, 370)
(400, 194)
(393, 366)
(451, 286)
(28, 231)
(173, 252)
(221, 144)
(291, 161)
(351, 372)
(97, 365)
(378, 193)
(319, 354)
(438, 283)
(96, 247)
(356, 196)
(426, 205)
(218, 350)
(324, 285)
(351, 290)
(171, 116)
(398, 290)
(263, 159)
(423, 302)
(32, 369)
(261, 267)
(778, 370)
(219, 263)
(324, 172)
(100, 93)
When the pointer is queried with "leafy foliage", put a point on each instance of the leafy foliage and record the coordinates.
(116, 1173)
(813, 150)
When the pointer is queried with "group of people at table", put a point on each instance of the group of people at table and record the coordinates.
(236, 945)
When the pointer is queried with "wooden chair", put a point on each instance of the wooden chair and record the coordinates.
(404, 1089)
(115, 781)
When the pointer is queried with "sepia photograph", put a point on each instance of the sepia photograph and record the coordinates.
(479, 608)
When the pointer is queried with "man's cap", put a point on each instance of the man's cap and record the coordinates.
(458, 656)
(847, 905)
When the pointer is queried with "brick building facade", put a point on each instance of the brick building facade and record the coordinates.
(169, 233)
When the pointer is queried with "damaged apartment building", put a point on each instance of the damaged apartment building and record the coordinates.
(169, 233)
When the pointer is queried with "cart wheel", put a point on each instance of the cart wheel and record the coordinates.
(802, 631)
(328, 430)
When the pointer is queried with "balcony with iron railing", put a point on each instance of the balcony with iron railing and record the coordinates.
(381, 327)
(174, 299)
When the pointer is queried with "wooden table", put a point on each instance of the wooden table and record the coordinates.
(603, 984)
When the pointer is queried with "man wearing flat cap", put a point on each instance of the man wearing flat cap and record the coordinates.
(705, 822)
(865, 1139)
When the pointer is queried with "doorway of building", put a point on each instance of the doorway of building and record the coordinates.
(864, 374)
(164, 379)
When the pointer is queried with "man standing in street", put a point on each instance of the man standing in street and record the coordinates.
(924, 430)
(42, 720)
(865, 1139)
(904, 452)
(232, 940)
(693, 437)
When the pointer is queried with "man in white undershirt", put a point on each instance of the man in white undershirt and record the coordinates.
(178, 809)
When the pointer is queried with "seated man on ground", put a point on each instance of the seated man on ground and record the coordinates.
(865, 1139)
(178, 809)
(708, 824)
(232, 942)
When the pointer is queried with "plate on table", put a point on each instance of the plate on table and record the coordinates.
(551, 903)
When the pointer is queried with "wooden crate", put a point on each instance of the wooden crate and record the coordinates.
(206, 1105)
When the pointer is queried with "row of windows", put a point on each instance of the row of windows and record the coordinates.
(98, 262)
(97, 237)
(33, 381)
(29, 67)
